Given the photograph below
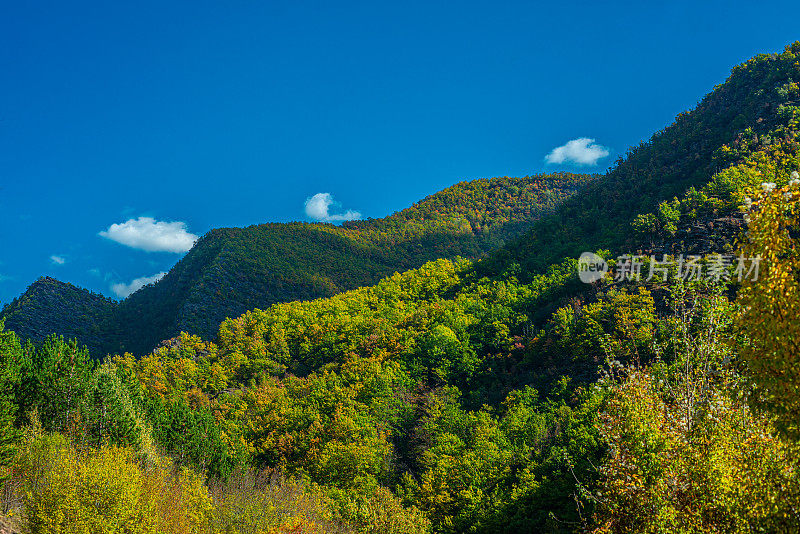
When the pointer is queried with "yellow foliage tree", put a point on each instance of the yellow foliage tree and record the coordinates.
(770, 312)
(106, 491)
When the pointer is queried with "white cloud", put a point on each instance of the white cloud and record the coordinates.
(582, 151)
(122, 290)
(318, 206)
(58, 260)
(151, 235)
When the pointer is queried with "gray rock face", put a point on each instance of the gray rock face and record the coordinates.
(703, 236)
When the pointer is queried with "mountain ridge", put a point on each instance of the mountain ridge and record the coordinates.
(232, 270)
(737, 117)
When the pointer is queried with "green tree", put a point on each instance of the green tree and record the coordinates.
(10, 376)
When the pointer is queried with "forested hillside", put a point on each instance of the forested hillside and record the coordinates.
(499, 395)
(749, 112)
(52, 306)
(231, 270)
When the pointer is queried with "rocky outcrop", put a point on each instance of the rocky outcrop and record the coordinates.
(701, 236)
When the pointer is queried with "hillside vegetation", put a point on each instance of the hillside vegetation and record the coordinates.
(750, 112)
(50, 305)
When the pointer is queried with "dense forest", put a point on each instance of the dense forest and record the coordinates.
(232, 270)
(492, 395)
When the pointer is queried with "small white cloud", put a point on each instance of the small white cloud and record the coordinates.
(582, 151)
(148, 234)
(318, 208)
(58, 260)
(122, 290)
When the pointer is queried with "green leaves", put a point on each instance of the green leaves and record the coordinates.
(56, 377)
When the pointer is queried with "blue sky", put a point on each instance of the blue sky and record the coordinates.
(167, 119)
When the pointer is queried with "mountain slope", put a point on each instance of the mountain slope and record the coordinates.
(449, 323)
(751, 110)
(232, 270)
(50, 306)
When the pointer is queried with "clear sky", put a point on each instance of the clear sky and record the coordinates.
(168, 119)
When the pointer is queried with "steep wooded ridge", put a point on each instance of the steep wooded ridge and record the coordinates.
(232, 270)
(50, 305)
(734, 120)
